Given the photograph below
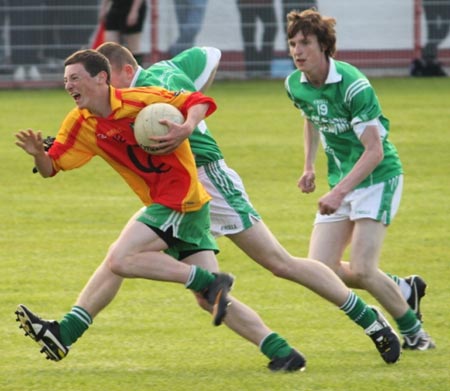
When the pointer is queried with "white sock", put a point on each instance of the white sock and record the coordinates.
(405, 288)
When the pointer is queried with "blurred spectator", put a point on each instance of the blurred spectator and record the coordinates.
(437, 17)
(68, 27)
(26, 20)
(258, 56)
(299, 5)
(39, 34)
(124, 21)
(3, 5)
(190, 15)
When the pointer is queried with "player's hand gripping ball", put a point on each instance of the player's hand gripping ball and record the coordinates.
(147, 124)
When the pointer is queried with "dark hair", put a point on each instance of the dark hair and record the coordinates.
(92, 61)
(117, 54)
(311, 22)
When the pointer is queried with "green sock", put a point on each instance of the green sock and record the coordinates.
(408, 324)
(274, 345)
(358, 311)
(394, 277)
(73, 325)
(199, 279)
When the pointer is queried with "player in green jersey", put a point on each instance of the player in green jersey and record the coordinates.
(231, 212)
(365, 173)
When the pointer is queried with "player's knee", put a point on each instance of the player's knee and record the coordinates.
(116, 266)
(280, 269)
(278, 263)
(363, 276)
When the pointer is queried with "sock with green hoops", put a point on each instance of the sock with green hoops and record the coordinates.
(394, 277)
(408, 324)
(358, 311)
(274, 345)
(199, 279)
(73, 325)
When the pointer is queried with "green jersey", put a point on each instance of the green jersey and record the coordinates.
(345, 101)
(187, 71)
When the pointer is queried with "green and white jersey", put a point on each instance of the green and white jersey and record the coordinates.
(345, 101)
(188, 71)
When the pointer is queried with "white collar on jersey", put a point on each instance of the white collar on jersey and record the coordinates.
(136, 75)
(333, 75)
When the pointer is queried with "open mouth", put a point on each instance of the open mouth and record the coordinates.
(76, 97)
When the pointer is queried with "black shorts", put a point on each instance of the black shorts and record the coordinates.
(116, 18)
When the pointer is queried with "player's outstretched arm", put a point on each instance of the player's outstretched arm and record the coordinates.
(31, 142)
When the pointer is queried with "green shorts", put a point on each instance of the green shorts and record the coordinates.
(184, 233)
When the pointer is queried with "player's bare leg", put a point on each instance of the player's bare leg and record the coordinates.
(260, 245)
(328, 242)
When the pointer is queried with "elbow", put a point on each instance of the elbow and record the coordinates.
(47, 173)
(380, 155)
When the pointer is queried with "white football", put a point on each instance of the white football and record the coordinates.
(147, 123)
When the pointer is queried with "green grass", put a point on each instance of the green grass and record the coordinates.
(55, 232)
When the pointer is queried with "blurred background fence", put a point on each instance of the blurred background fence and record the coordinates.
(382, 37)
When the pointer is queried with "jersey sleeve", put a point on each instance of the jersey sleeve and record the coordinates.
(362, 101)
(198, 63)
(287, 86)
(213, 56)
(197, 98)
(68, 151)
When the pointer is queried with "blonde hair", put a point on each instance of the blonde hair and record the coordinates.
(117, 55)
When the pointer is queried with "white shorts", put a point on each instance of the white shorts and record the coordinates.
(230, 207)
(378, 202)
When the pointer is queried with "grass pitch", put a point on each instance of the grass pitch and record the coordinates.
(56, 231)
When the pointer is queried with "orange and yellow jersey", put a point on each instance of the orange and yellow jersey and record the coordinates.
(170, 180)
